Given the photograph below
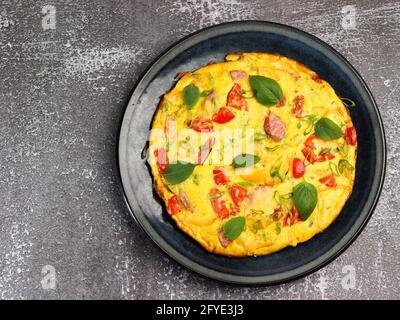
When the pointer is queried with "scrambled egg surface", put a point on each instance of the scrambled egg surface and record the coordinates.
(212, 115)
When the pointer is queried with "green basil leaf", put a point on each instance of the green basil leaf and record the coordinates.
(191, 95)
(245, 160)
(267, 91)
(176, 173)
(305, 199)
(234, 227)
(326, 129)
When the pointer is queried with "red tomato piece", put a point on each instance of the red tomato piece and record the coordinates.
(309, 155)
(162, 159)
(329, 181)
(281, 103)
(298, 168)
(173, 206)
(234, 210)
(309, 143)
(291, 219)
(215, 193)
(238, 194)
(220, 208)
(351, 136)
(202, 124)
(325, 156)
(297, 110)
(224, 115)
(277, 213)
(218, 203)
(316, 78)
(235, 98)
(219, 176)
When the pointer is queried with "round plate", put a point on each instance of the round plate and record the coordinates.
(213, 44)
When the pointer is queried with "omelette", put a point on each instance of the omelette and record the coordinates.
(252, 154)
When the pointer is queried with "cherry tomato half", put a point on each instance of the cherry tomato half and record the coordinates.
(220, 208)
(291, 219)
(238, 194)
(309, 155)
(329, 181)
(219, 176)
(235, 98)
(298, 168)
(173, 206)
(351, 136)
(202, 124)
(224, 115)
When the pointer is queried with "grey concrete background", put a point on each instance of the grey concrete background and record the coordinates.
(62, 96)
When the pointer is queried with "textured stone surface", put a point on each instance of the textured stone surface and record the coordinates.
(62, 96)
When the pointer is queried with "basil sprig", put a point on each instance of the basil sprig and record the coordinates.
(326, 129)
(234, 227)
(266, 91)
(190, 95)
(178, 172)
(305, 198)
(245, 160)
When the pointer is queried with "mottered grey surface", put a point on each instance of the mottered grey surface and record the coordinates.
(65, 232)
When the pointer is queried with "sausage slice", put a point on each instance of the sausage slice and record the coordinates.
(274, 127)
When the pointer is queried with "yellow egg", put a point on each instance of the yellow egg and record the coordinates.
(229, 167)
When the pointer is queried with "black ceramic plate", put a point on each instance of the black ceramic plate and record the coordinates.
(213, 44)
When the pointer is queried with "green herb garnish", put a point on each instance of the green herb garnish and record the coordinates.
(176, 173)
(326, 129)
(234, 227)
(305, 198)
(190, 95)
(266, 91)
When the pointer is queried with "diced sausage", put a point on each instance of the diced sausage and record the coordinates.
(222, 239)
(274, 127)
(183, 197)
(205, 150)
(237, 75)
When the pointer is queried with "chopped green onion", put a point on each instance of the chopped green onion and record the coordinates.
(206, 93)
(348, 102)
(272, 148)
(325, 150)
(254, 211)
(344, 164)
(143, 154)
(258, 136)
(334, 168)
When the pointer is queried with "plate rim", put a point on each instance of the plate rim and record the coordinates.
(286, 276)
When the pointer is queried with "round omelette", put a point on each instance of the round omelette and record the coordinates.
(252, 154)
